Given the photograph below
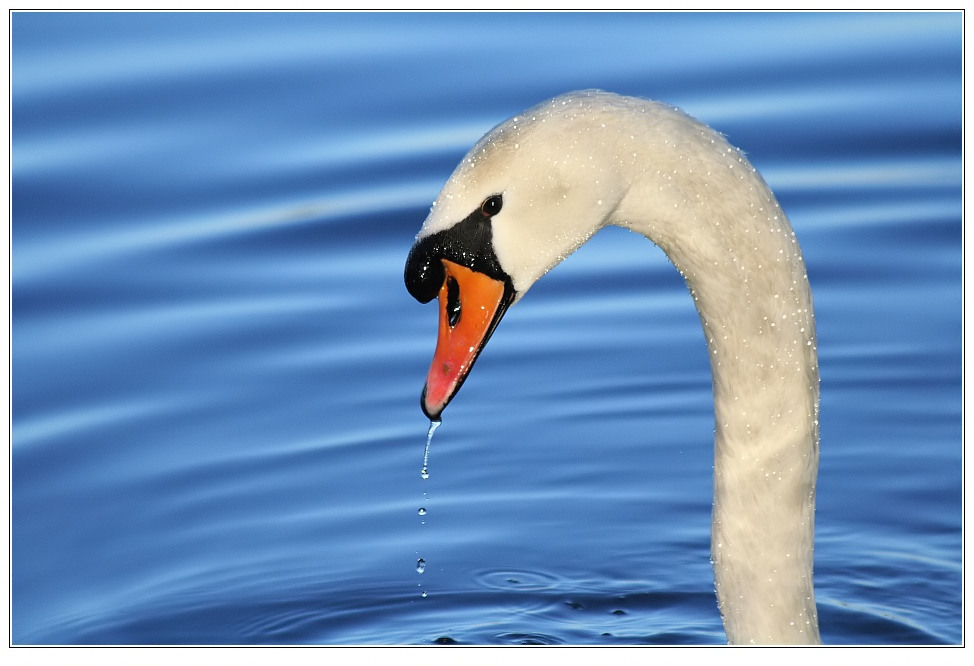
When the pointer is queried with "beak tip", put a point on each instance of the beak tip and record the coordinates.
(432, 412)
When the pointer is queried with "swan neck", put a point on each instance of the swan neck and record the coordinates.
(718, 222)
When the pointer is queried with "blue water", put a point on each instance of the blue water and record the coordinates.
(216, 367)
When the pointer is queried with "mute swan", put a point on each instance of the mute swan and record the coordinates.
(541, 184)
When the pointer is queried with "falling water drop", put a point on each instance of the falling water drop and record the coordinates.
(424, 473)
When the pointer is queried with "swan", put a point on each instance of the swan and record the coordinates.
(538, 186)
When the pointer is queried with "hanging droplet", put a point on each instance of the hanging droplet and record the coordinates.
(426, 454)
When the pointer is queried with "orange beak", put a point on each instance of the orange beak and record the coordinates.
(471, 305)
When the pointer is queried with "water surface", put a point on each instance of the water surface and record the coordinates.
(216, 367)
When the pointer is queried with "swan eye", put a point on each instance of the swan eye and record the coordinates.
(492, 205)
(452, 301)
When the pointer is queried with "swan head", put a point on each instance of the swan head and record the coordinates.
(527, 195)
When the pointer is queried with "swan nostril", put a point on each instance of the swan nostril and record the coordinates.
(452, 301)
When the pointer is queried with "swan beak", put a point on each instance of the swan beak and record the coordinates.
(471, 304)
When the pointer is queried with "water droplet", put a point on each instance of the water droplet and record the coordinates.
(426, 454)
(422, 511)
(420, 565)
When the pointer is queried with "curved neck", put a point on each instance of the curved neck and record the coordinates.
(717, 221)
